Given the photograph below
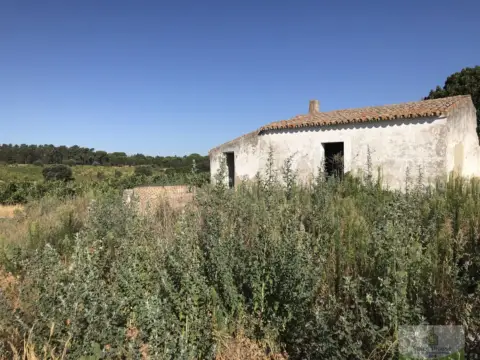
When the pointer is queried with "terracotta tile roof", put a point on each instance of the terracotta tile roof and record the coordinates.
(424, 108)
(408, 110)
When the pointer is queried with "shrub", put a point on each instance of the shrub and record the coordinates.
(196, 178)
(38, 163)
(57, 172)
(327, 271)
(69, 162)
(143, 170)
(51, 220)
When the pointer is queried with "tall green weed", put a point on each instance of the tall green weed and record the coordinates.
(328, 270)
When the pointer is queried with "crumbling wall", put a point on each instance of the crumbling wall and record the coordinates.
(463, 150)
(150, 197)
(396, 147)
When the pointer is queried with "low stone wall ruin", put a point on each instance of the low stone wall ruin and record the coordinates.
(149, 197)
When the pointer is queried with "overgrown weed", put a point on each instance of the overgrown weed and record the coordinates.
(328, 270)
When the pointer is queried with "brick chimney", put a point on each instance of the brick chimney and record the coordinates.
(314, 107)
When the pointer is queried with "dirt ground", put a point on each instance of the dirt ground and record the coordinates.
(8, 211)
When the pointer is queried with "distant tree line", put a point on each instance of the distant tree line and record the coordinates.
(76, 155)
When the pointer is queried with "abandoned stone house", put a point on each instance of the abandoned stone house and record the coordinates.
(438, 136)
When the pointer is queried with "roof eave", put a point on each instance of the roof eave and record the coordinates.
(231, 142)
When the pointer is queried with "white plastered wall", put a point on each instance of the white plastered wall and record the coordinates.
(393, 145)
(463, 150)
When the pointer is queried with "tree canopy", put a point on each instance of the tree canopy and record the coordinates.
(57, 172)
(145, 170)
(464, 82)
(76, 155)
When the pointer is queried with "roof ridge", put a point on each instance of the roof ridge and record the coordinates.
(397, 104)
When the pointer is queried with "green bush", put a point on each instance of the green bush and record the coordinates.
(143, 170)
(323, 272)
(18, 190)
(21, 192)
(57, 172)
(38, 163)
(69, 162)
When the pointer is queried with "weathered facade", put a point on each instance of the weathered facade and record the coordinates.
(438, 136)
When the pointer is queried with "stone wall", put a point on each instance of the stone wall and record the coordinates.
(149, 197)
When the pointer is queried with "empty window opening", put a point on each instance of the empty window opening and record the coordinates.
(231, 169)
(333, 164)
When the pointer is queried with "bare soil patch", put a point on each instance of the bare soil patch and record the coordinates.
(8, 211)
(242, 348)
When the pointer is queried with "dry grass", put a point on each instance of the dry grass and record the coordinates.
(39, 222)
(46, 217)
(8, 211)
(27, 350)
(8, 289)
(242, 348)
(237, 348)
(9, 292)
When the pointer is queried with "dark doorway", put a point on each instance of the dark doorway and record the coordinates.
(333, 159)
(231, 169)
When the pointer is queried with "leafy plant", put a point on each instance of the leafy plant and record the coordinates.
(325, 270)
(143, 170)
(57, 172)
(69, 162)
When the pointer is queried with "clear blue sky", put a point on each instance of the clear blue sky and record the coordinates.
(165, 78)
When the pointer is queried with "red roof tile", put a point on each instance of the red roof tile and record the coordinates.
(424, 108)
(408, 110)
